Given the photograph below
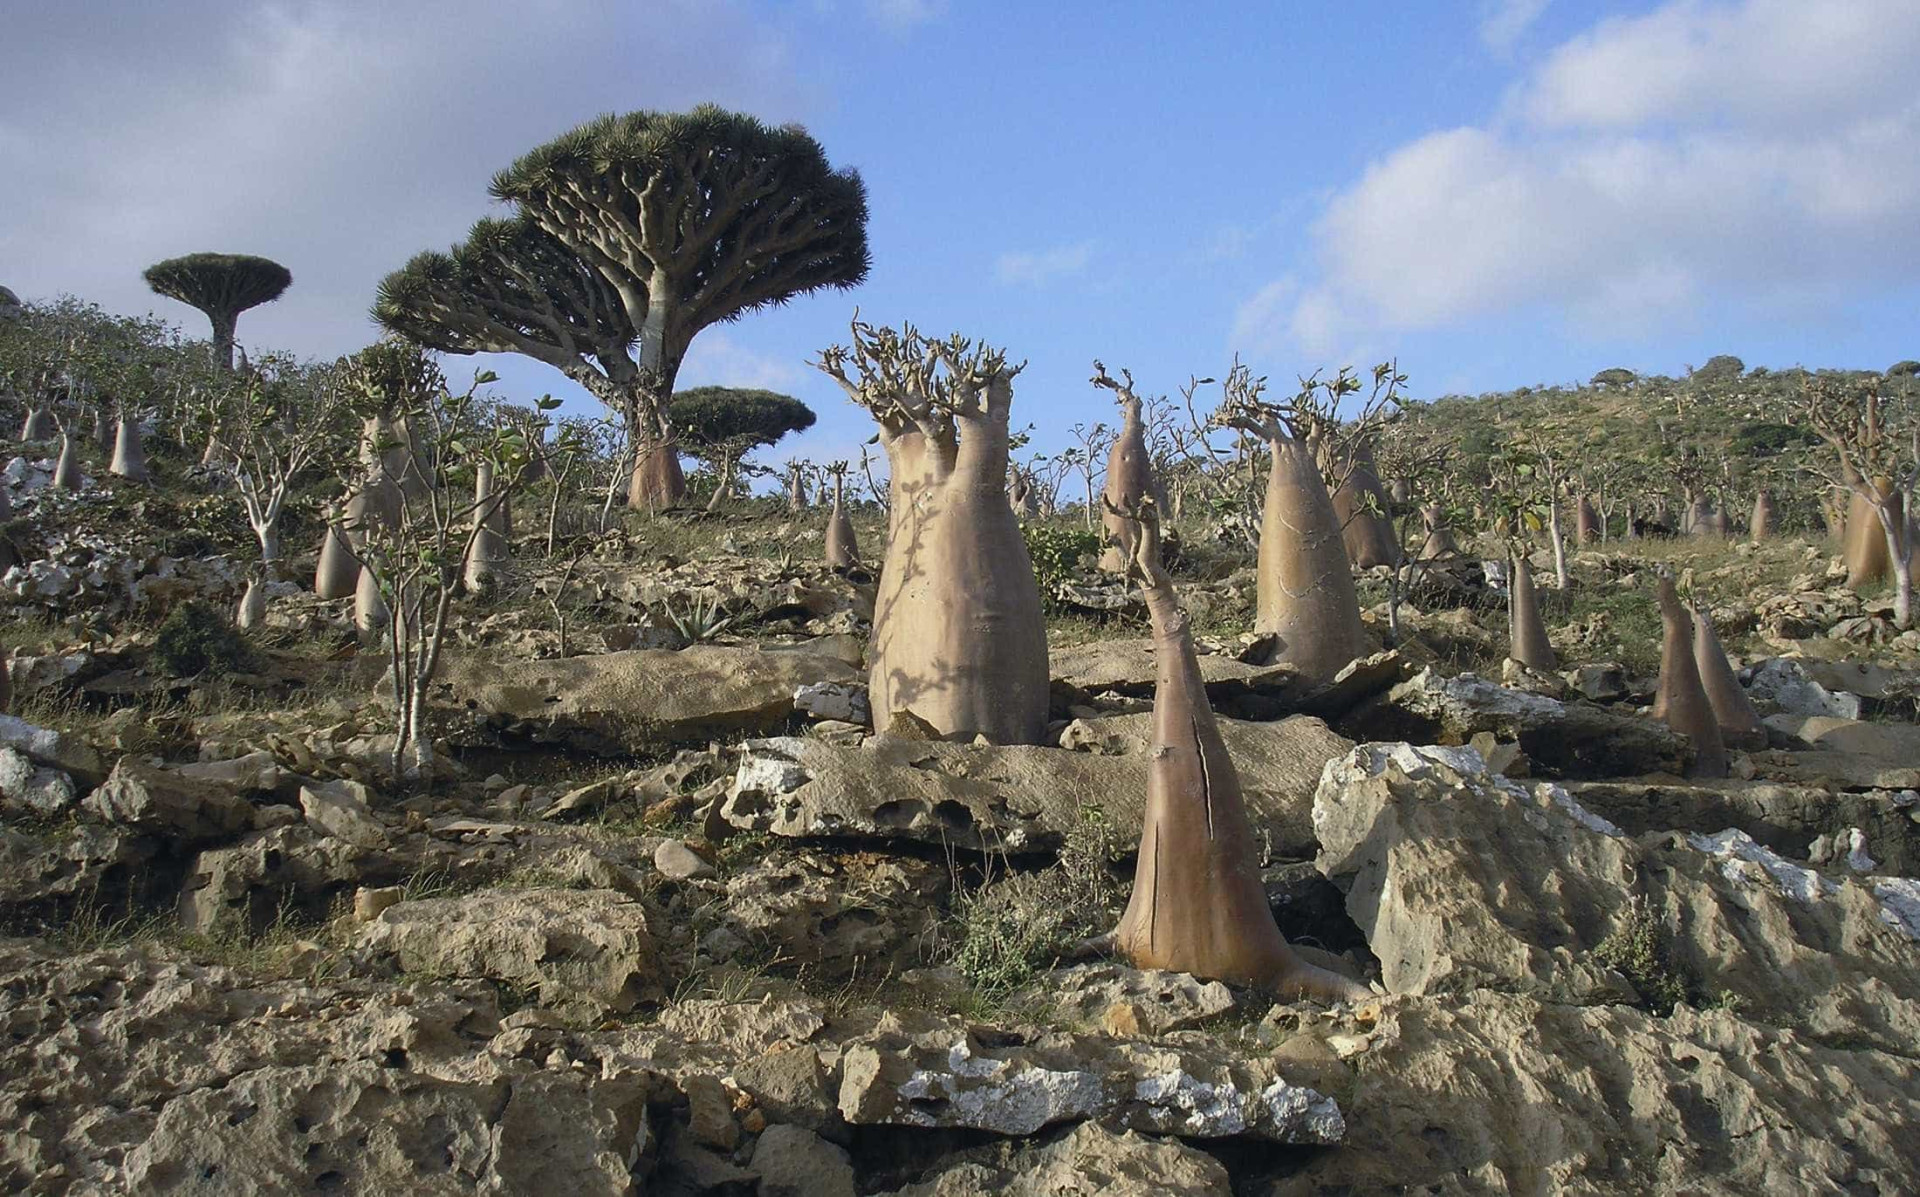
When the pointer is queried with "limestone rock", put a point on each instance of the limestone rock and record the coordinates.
(1852, 752)
(626, 702)
(1133, 1001)
(241, 889)
(794, 1162)
(82, 862)
(54, 749)
(1493, 1092)
(1127, 667)
(677, 862)
(339, 809)
(28, 789)
(587, 952)
(951, 1076)
(1787, 685)
(361, 1128)
(168, 804)
(1463, 880)
(1571, 739)
(1022, 798)
(1089, 1161)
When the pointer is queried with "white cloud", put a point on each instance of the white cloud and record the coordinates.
(1038, 268)
(905, 14)
(339, 137)
(1755, 153)
(716, 359)
(1502, 22)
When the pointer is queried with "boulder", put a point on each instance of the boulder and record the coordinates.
(1852, 753)
(80, 863)
(1020, 798)
(1504, 1093)
(340, 809)
(792, 1161)
(27, 789)
(583, 952)
(167, 804)
(1089, 1161)
(1462, 880)
(951, 1075)
(54, 749)
(1786, 684)
(621, 703)
(1567, 739)
(240, 890)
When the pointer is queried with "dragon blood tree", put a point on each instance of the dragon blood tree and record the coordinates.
(635, 232)
(958, 636)
(1129, 474)
(1304, 593)
(222, 286)
(1198, 905)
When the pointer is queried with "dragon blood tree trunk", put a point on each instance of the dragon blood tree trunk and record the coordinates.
(1681, 701)
(958, 636)
(1530, 645)
(1361, 506)
(843, 551)
(1198, 905)
(1304, 593)
(1740, 725)
(1764, 517)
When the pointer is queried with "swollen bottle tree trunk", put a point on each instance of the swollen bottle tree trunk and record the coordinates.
(1129, 475)
(1740, 725)
(1304, 591)
(66, 470)
(1867, 559)
(252, 611)
(1439, 542)
(1586, 522)
(1764, 517)
(339, 569)
(129, 458)
(1527, 633)
(1681, 701)
(1360, 504)
(796, 490)
(39, 425)
(843, 551)
(1198, 905)
(958, 636)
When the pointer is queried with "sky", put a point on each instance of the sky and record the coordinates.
(1494, 193)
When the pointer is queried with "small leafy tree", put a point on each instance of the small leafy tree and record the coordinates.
(279, 420)
(721, 425)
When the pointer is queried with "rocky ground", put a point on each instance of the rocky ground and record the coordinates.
(674, 920)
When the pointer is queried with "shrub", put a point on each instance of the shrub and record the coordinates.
(1635, 949)
(1060, 552)
(1014, 928)
(195, 640)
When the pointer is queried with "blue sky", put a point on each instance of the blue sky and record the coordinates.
(1498, 193)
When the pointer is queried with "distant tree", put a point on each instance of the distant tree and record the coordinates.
(654, 225)
(222, 286)
(1878, 444)
(1721, 367)
(1618, 376)
(1903, 369)
(721, 425)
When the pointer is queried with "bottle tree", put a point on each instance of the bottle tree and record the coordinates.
(635, 232)
(958, 637)
(222, 286)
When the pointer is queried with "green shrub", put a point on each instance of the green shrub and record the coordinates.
(1060, 553)
(195, 640)
(1016, 927)
(1635, 949)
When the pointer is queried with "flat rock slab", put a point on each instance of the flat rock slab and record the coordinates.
(1463, 879)
(1563, 739)
(1088, 1160)
(950, 1077)
(1784, 817)
(1018, 798)
(1853, 752)
(1127, 667)
(620, 703)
